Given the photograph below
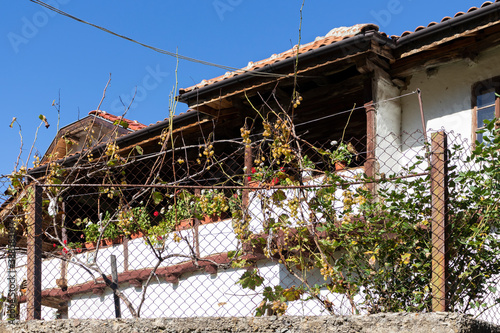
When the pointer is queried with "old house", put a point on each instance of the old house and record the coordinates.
(354, 84)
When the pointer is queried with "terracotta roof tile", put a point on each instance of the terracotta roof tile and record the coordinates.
(331, 37)
(446, 18)
(133, 125)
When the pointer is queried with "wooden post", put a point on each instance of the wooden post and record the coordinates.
(34, 252)
(114, 277)
(439, 201)
(12, 300)
(125, 253)
(63, 281)
(371, 144)
(196, 229)
(245, 197)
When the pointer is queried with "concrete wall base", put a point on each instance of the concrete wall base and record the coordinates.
(387, 323)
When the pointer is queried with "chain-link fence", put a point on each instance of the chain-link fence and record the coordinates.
(263, 228)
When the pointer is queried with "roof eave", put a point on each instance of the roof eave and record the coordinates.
(346, 47)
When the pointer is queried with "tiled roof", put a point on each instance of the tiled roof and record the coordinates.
(446, 18)
(333, 36)
(133, 125)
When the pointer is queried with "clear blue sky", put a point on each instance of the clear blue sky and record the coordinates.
(43, 52)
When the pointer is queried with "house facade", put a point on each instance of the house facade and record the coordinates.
(381, 93)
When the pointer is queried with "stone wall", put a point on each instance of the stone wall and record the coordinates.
(387, 323)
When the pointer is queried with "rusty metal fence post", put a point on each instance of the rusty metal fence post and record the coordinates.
(34, 251)
(371, 144)
(248, 162)
(439, 195)
(12, 299)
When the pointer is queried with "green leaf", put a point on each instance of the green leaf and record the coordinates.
(139, 150)
(122, 123)
(157, 197)
(251, 279)
(56, 181)
(292, 294)
(261, 309)
(283, 218)
(279, 196)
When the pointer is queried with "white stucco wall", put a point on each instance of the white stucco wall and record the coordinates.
(447, 104)
(196, 294)
(446, 94)
(204, 295)
(388, 126)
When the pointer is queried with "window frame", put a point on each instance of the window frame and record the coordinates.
(477, 88)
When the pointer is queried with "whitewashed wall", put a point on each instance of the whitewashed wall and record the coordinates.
(205, 295)
(447, 103)
(446, 94)
(388, 127)
(196, 294)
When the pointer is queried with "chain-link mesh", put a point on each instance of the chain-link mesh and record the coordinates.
(334, 228)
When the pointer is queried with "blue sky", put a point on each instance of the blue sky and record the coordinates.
(43, 53)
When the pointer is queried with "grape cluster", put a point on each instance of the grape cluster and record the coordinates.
(297, 100)
(279, 308)
(245, 134)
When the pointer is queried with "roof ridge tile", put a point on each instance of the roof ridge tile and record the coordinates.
(133, 125)
(333, 36)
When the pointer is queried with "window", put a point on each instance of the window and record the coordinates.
(485, 104)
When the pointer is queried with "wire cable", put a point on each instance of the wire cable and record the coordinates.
(356, 108)
(172, 54)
